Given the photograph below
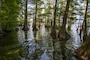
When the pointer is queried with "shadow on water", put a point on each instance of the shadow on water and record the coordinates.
(9, 47)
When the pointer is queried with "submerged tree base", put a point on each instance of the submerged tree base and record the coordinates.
(83, 52)
(63, 35)
(53, 33)
(25, 28)
(35, 28)
(47, 26)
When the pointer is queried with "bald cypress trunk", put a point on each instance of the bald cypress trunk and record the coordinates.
(53, 31)
(62, 32)
(54, 23)
(34, 27)
(65, 15)
(85, 22)
(25, 28)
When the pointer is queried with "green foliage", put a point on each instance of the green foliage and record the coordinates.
(9, 46)
(9, 13)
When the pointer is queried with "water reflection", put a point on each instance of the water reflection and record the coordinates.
(63, 48)
(88, 31)
(75, 36)
(38, 45)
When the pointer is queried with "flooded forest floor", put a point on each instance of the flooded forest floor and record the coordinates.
(39, 45)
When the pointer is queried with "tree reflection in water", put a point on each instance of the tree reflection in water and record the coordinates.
(44, 46)
(31, 49)
(59, 49)
(63, 48)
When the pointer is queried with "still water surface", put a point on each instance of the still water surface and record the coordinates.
(38, 45)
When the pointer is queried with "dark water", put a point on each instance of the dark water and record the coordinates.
(38, 45)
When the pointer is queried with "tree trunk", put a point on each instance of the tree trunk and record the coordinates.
(85, 22)
(59, 20)
(65, 15)
(62, 33)
(25, 28)
(34, 27)
(53, 31)
(54, 23)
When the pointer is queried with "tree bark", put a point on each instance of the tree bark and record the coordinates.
(53, 31)
(63, 35)
(54, 23)
(85, 22)
(65, 15)
(34, 27)
(25, 28)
